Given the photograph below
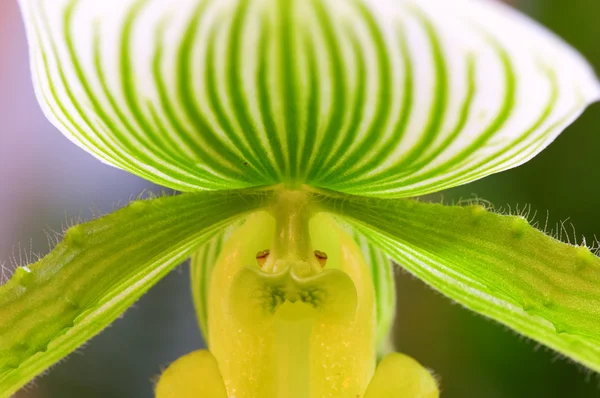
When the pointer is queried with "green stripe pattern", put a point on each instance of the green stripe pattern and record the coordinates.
(496, 265)
(373, 97)
(100, 268)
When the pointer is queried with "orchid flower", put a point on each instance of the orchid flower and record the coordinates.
(299, 133)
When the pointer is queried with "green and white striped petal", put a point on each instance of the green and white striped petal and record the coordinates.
(376, 97)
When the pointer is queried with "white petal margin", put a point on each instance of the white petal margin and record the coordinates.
(376, 97)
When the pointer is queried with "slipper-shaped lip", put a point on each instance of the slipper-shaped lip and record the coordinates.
(257, 295)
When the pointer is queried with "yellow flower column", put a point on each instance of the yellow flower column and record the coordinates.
(292, 327)
(291, 311)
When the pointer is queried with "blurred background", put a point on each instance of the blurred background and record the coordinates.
(46, 181)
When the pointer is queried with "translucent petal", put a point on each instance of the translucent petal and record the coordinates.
(375, 97)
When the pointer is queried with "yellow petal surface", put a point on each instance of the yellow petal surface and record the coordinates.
(270, 347)
(400, 376)
(195, 375)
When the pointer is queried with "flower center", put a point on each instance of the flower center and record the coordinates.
(295, 320)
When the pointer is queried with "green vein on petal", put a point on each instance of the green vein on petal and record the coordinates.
(384, 93)
(339, 86)
(391, 98)
(238, 98)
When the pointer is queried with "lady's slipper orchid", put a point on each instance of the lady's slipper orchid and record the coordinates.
(297, 129)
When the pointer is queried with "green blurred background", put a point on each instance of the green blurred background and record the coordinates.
(46, 181)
